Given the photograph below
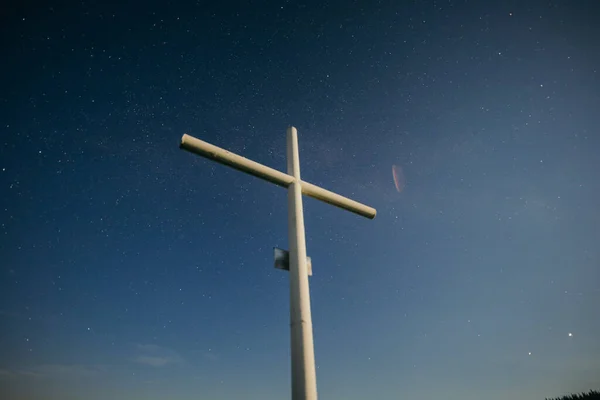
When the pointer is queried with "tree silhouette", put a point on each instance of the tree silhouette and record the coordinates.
(592, 395)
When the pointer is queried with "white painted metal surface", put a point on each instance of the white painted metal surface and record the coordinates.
(240, 163)
(304, 381)
(304, 376)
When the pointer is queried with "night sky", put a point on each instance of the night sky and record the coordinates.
(130, 269)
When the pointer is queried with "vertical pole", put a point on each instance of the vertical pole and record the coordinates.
(304, 379)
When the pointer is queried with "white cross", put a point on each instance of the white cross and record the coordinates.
(304, 380)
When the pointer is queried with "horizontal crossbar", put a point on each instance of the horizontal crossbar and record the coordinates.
(279, 178)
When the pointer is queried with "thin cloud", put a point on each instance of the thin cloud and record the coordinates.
(156, 356)
(7, 374)
(156, 361)
(148, 347)
(54, 371)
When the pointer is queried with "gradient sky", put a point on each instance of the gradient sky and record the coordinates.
(133, 270)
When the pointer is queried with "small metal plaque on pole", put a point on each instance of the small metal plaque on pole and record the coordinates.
(282, 260)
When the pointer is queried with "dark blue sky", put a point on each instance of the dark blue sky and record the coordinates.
(133, 270)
